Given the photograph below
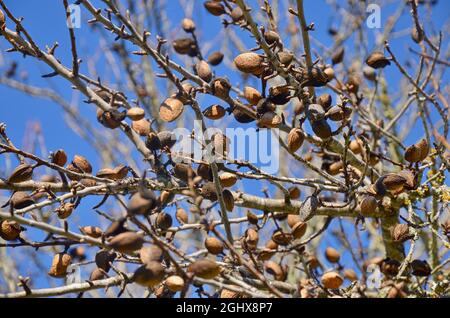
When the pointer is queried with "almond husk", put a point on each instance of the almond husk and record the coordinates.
(21, 173)
(127, 242)
(204, 268)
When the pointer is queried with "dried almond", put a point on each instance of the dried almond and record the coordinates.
(59, 157)
(174, 283)
(214, 112)
(9, 230)
(171, 109)
(127, 242)
(332, 255)
(135, 113)
(214, 245)
(92, 231)
(204, 268)
(149, 275)
(331, 280)
(142, 127)
(249, 63)
(59, 265)
(21, 173)
(295, 139)
(377, 60)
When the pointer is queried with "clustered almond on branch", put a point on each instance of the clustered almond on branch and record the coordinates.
(354, 167)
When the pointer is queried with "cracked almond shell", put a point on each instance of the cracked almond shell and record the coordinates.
(59, 265)
(208, 191)
(167, 139)
(203, 70)
(228, 200)
(214, 112)
(65, 210)
(417, 152)
(281, 238)
(97, 274)
(171, 109)
(252, 95)
(276, 270)
(299, 230)
(241, 116)
(184, 172)
(368, 205)
(103, 258)
(322, 129)
(325, 101)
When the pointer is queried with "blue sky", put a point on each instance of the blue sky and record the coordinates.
(46, 22)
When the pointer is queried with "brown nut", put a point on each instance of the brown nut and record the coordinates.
(295, 139)
(21, 173)
(59, 265)
(331, 280)
(127, 242)
(204, 268)
(149, 275)
(332, 255)
(214, 245)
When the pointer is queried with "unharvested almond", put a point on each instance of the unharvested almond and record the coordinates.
(127, 242)
(299, 230)
(135, 113)
(149, 275)
(204, 268)
(295, 139)
(21, 173)
(214, 112)
(252, 95)
(213, 245)
(227, 179)
(9, 230)
(92, 231)
(331, 280)
(332, 255)
(249, 62)
(59, 265)
(174, 283)
(228, 199)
